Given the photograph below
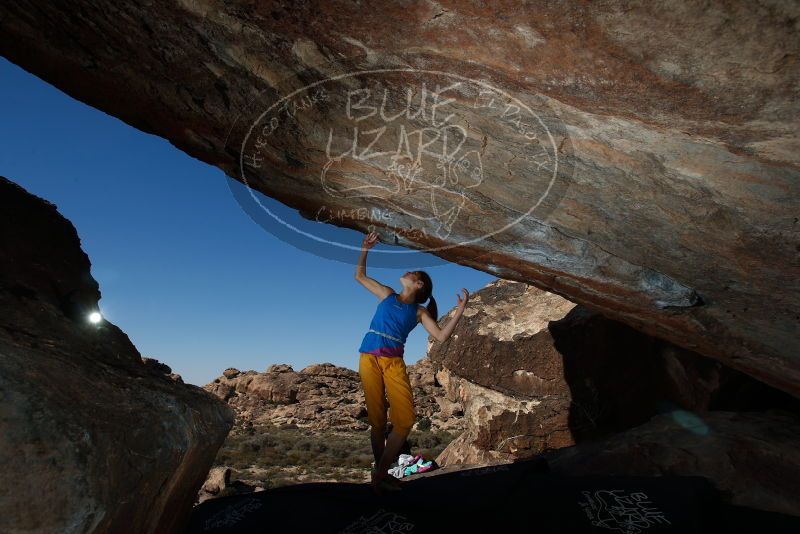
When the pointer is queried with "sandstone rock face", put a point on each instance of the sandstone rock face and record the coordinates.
(534, 372)
(323, 397)
(218, 484)
(668, 132)
(751, 457)
(218, 478)
(93, 438)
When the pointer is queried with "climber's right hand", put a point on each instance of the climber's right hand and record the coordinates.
(369, 241)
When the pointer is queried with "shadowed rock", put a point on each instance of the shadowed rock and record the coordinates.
(751, 457)
(494, 498)
(93, 437)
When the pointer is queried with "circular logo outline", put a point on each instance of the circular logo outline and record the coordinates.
(409, 250)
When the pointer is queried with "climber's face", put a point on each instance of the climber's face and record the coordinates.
(411, 279)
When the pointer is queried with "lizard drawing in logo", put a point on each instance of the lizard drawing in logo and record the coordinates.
(432, 190)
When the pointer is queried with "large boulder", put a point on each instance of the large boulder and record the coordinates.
(93, 437)
(640, 159)
(534, 372)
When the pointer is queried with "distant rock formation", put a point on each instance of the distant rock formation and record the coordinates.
(324, 397)
(93, 437)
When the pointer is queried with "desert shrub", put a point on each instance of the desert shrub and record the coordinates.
(424, 424)
(429, 444)
(363, 460)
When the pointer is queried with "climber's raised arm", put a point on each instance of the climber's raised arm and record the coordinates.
(379, 290)
(441, 334)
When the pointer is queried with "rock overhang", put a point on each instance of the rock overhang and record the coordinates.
(678, 209)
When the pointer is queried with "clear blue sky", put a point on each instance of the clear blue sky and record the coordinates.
(182, 269)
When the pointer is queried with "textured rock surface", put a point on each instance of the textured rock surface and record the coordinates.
(218, 478)
(161, 368)
(219, 484)
(93, 438)
(675, 127)
(751, 457)
(324, 397)
(535, 372)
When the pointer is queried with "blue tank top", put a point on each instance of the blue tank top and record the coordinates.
(390, 326)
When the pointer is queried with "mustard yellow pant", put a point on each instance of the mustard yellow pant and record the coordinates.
(382, 375)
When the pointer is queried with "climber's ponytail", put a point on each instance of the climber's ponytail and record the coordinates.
(432, 309)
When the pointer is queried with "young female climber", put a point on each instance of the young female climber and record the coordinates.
(381, 365)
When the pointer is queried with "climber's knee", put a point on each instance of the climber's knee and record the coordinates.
(377, 420)
(402, 430)
(403, 426)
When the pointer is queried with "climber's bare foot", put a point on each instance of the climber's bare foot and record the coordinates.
(384, 483)
(375, 483)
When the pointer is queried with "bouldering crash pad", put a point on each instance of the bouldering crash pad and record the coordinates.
(522, 496)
